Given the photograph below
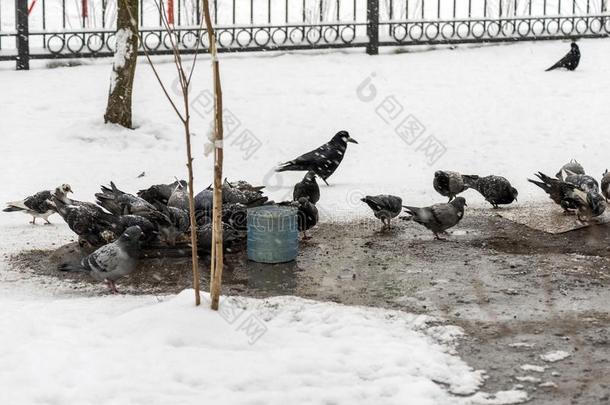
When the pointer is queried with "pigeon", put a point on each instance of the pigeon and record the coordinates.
(606, 185)
(570, 61)
(450, 184)
(307, 215)
(38, 205)
(571, 167)
(243, 185)
(160, 193)
(385, 207)
(120, 203)
(308, 188)
(322, 161)
(112, 261)
(204, 201)
(90, 222)
(496, 189)
(439, 217)
(204, 237)
(247, 197)
(149, 229)
(176, 224)
(569, 196)
(179, 197)
(583, 181)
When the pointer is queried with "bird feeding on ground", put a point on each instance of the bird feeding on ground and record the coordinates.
(308, 188)
(438, 217)
(606, 185)
(496, 189)
(112, 261)
(450, 183)
(586, 201)
(385, 207)
(324, 160)
(38, 205)
(570, 60)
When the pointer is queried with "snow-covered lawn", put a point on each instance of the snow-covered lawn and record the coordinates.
(491, 109)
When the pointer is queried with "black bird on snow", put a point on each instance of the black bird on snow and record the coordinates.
(308, 188)
(38, 205)
(450, 183)
(324, 160)
(385, 207)
(572, 167)
(112, 261)
(570, 61)
(439, 217)
(496, 189)
(606, 185)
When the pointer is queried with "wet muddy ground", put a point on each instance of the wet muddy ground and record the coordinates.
(518, 293)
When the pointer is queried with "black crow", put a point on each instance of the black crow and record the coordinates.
(322, 161)
(570, 61)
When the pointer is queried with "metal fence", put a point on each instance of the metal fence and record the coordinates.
(44, 29)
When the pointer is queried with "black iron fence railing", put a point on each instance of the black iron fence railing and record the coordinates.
(45, 29)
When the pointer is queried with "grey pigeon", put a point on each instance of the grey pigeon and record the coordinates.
(450, 183)
(90, 222)
(308, 188)
(246, 196)
(439, 217)
(583, 181)
(159, 194)
(38, 205)
(385, 207)
(496, 189)
(606, 185)
(121, 203)
(570, 60)
(112, 261)
(179, 197)
(572, 167)
(569, 196)
(324, 160)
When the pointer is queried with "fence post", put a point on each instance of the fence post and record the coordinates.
(372, 26)
(22, 38)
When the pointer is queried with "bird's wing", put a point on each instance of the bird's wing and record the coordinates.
(106, 259)
(445, 214)
(561, 62)
(311, 158)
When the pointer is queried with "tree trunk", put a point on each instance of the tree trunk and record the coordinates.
(118, 110)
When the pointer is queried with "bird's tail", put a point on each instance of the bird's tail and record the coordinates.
(544, 184)
(15, 206)
(71, 267)
(555, 66)
(410, 210)
(290, 166)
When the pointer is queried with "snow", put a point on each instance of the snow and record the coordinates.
(533, 367)
(492, 109)
(554, 356)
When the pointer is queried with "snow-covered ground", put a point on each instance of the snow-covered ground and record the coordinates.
(490, 109)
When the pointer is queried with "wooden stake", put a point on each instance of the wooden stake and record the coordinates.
(217, 249)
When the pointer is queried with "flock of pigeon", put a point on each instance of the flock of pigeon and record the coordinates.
(119, 224)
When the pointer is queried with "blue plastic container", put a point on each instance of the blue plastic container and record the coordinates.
(273, 234)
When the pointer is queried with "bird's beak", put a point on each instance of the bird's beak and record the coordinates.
(352, 140)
